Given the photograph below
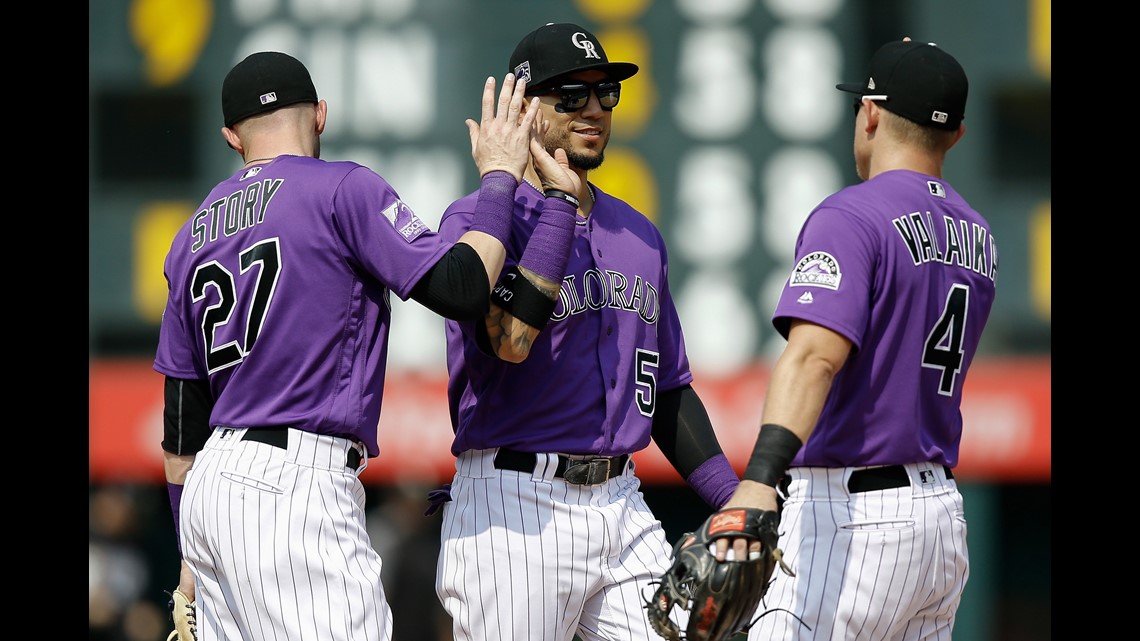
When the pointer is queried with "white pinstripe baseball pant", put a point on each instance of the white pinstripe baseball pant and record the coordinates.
(277, 542)
(881, 565)
(529, 557)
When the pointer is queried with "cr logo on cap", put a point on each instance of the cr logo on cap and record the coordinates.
(581, 41)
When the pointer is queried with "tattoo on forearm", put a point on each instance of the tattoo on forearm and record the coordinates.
(504, 330)
(494, 322)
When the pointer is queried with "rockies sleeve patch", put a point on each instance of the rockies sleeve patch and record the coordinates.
(817, 269)
(404, 220)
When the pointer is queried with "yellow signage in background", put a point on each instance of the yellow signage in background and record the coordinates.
(170, 34)
(606, 11)
(1041, 36)
(626, 175)
(155, 228)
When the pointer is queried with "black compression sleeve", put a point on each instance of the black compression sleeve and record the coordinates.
(683, 431)
(186, 415)
(456, 287)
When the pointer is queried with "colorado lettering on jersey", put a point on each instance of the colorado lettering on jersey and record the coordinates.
(968, 245)
(599, 289)
(240, 210)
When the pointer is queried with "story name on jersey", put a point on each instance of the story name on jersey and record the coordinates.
(240, 210)
(607, 288)
(968, 245)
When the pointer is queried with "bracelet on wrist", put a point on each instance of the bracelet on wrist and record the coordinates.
(558, 193)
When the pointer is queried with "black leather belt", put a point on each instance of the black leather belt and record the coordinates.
(590, 471)
(279, 437)
(882, 478)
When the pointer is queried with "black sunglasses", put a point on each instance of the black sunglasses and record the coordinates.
(574, 96)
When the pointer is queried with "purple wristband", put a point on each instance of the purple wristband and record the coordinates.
(496, 205)
(175, 492)
(548, 249)
(714, 481)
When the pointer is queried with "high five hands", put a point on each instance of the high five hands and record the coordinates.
(504, 141)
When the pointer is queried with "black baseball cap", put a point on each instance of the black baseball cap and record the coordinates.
(555, 49)
(918, 81)
(265, 81)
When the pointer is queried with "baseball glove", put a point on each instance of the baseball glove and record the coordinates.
(721, 596)
(185, 615)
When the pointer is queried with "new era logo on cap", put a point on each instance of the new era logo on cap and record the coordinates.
(918, 81)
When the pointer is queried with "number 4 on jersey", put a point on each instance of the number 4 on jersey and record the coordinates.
(943, 349)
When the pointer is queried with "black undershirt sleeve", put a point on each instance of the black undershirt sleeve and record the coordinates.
(456, 287)
(683, 431)
(186, 415)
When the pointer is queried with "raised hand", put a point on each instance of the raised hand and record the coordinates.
(500, 141)
(554, 171)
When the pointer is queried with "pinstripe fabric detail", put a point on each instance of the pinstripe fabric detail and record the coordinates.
(277, 542)
(527, 556)
(882, 565)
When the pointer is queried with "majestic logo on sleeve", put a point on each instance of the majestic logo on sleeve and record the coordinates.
(404, 220)
(817, 269)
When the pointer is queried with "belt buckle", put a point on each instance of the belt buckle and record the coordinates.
(590, 472)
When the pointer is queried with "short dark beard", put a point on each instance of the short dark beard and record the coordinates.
(586, 162)
(577, 160)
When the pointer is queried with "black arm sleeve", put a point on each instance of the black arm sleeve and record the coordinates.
(456, 287)
(683, 431)
(186, 415)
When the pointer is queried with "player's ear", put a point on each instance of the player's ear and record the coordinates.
(957, 135)
(322, 113)
(873, 111)
(233, 140)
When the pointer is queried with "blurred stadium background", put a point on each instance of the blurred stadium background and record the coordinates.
(726, 139)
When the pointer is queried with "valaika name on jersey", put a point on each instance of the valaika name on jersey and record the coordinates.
(817, 269)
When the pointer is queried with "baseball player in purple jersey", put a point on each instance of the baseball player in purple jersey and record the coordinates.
(883, 312)
(579, 363)
(274, 341)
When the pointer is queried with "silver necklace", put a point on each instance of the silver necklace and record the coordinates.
(536, 188)
(250, 162)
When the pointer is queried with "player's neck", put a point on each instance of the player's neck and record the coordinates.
(903, 157)
(273, 146)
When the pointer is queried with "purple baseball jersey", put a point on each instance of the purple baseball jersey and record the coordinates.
(279, 294)
(906, 269)
(614, 342)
